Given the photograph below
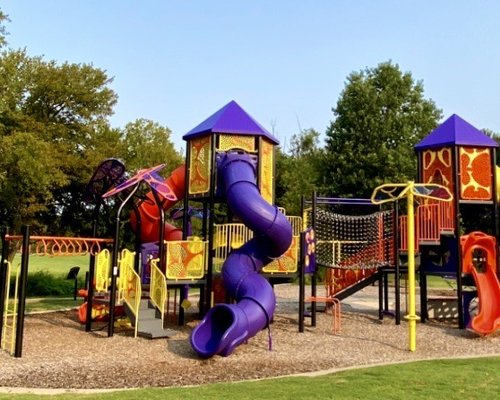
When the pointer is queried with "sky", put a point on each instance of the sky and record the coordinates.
(284, 61)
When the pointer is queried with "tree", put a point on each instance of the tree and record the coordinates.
(297, 172)
(380, 115)
(54, 131)
(50, 119)
(3, 31)
(26, 187)
(147, 144)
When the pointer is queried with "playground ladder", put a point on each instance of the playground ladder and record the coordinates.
(10, 312)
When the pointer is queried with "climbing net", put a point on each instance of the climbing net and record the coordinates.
(354, 241)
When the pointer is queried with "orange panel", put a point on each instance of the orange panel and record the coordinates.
(437, 167)
(340, 279)
(476, 178)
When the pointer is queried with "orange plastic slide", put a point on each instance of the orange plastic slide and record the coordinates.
(479, 259)
(150, 214)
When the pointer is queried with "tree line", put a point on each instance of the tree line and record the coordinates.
(55, 129)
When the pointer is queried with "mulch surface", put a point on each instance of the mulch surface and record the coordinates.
(58, 353)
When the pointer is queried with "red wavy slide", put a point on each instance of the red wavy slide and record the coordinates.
(150, 214)
(479, 259)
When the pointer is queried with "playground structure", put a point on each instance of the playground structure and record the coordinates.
(249, 243)
(356, 252)
(230, 161)
(461, 158)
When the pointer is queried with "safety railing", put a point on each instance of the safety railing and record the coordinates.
(428, 223)
(233, 236)
(431, 220)
(228, 237)
(129, 285)
(10, 312)
(447, 216)
(297, 225)
(158, 289)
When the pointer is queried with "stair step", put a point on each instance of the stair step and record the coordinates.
(150, 324)
(157, 333)
(145, 304)
(147, 313)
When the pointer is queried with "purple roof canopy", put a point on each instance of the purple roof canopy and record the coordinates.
(455, 131)
(230, 119)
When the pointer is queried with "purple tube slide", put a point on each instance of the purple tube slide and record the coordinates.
(226, 326)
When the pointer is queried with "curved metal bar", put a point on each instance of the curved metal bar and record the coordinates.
(114, 263)
(61, 245)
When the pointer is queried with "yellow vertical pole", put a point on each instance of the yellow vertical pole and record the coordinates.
(411, 317)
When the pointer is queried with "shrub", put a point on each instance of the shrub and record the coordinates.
(43, 283)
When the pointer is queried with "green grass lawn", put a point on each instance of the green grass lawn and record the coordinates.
(38, 304)
(56, 265)
(47, 276)
(51, 303)
(446, 379)
(433, 282)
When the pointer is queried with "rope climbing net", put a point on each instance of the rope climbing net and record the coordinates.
(354, 241)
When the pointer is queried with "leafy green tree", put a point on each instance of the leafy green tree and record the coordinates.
(147, 144)
(49, 117)
(54, 131)
(380, 115)
(298, 171)
(3, 31)
(26, 186)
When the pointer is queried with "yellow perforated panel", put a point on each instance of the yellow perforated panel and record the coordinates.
(129, 285)
(288, 262)
(228, 142)
(102, 270)
(186, 259)
(267, 170)
(200, 161)
(158, 288)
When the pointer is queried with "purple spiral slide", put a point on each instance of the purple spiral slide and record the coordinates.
(226, 326)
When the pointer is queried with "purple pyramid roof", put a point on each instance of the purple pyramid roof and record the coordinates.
(230, 119)
(455, 131)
